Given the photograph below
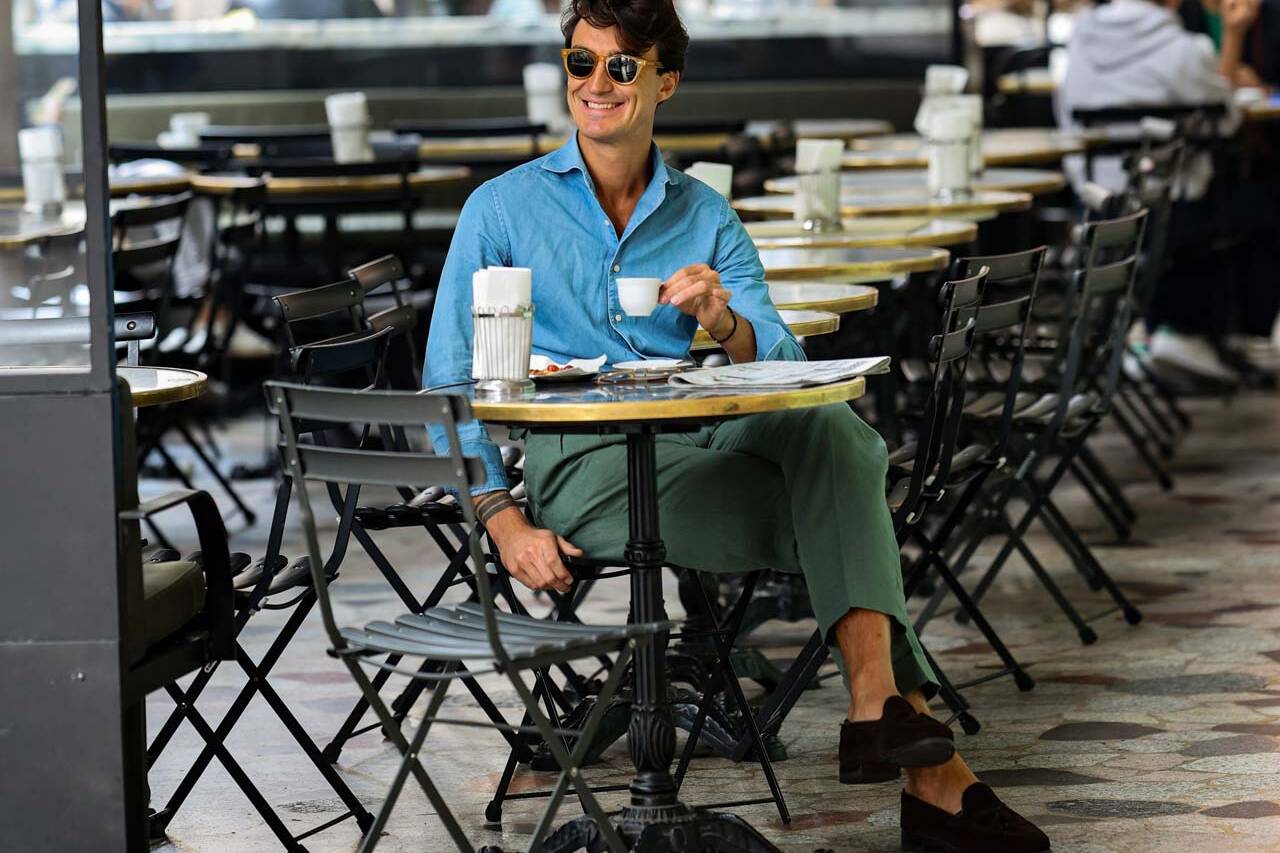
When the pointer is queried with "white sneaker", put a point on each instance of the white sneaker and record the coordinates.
(1191, 353)
(246, 343)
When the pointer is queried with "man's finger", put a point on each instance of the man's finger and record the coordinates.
(569, 548)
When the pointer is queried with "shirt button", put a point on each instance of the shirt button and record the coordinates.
(617, 318)
(617, 267)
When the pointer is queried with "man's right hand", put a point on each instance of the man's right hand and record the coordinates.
(531, 554)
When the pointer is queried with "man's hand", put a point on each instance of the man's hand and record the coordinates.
(696, 291)
(1239, 15)
(531, 555)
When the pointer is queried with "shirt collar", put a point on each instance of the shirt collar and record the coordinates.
(568, 157)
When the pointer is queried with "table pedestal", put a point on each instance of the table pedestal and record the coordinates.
(655, 820)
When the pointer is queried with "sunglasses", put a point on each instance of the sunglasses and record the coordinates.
(622, 68)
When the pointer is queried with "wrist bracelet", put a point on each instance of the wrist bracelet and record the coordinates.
(496, 503)
(732, 331)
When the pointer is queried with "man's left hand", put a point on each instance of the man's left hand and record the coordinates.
(696, 290)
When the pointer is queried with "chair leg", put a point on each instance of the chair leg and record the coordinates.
(1103, 478)
(212, 467)
(951, 696)
(774, 711)
(1108, 511)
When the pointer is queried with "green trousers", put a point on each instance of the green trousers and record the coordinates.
(797, 491)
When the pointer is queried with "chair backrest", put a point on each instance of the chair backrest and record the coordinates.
(948, 358)
(166, 215)
(209, 157)
(402, 318)
(354, 467)
(1102, 291)
(463, 128)
(332, 308)
(303, 140)
(401, 165)
(28, 333)
(1002, 324)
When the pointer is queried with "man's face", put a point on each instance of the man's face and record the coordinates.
(605, 111)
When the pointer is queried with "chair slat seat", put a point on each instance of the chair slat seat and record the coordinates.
(458, 633)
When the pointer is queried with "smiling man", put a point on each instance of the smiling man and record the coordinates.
(795, 491)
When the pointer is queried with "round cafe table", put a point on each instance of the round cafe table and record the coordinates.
(978, 205)
(508, 148)
(158, 386)
(802, 323)
(851, 265)
(822, 128)
(20, 227)
(1034, 181)
(148, 386)
(655, 817)
(299, 188)
(1032, 81)
(863, 233)
(823, 296)
(1002, 147)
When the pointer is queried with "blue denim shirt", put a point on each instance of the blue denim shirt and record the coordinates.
(545, 215)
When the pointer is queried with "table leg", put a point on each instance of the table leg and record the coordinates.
(655, 820)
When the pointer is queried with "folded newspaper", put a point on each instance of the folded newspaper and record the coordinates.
(782, 374)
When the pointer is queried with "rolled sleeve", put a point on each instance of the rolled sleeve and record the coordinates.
(742, 274)
(479, 241)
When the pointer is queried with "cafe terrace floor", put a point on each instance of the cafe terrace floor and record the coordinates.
(1161, 737)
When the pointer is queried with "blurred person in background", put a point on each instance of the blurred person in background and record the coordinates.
(1260, 60)
(1138, 53)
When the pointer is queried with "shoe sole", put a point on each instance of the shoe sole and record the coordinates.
(929, 752)
(869, 774)
(911, 844)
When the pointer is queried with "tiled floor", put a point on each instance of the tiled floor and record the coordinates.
(1164, 736)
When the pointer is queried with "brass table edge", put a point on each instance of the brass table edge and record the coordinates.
(518, 413)
(172, 394)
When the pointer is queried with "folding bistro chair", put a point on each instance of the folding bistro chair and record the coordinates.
(1074, 404)
(275, 583)
(916, 475)
(464, 640)
(994, 382)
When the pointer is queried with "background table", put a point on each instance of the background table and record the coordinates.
(157, 386)
(863, 233)
(1005, 147)
(979, 204)
(851, 265)
(821, 128)
(640, 412)
(823, 296)
(801, 324)
(1034, 181)
(507, 148)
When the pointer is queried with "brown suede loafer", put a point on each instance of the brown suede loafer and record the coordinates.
(984, 825)
(874, 750)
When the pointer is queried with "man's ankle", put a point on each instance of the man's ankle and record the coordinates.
(869, 705)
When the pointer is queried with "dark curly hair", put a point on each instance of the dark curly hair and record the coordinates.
(641, 25)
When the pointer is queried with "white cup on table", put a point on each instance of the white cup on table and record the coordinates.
(348, 114)
(184, 129)
(718, 176)
(638, 295)
(544, 96)
(948, 148)
(40, 149)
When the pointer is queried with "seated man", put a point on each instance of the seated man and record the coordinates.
(1137, 53)
(798, 491)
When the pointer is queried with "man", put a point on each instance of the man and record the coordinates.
(799, 491)
(1136, 52)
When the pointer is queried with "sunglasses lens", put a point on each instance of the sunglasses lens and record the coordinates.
(580, 63)
(622, 68)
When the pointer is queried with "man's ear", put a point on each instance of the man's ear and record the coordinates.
(670, 82)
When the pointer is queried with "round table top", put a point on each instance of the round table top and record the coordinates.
(822, 128)
(802, 323)
(978, 204)
(1262, 111)
(501, 148)
(297, 187)
(1033, 81)
(851, 264)
(1034, 181)
(863, 233)
(823, 296)
(155, 386)
(19, 227)
(1001, 147)
(652, 402)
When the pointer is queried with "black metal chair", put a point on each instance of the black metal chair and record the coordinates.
(275, 583)
(302, 140)
(463, 640)
(914, 483)
(144, 244)
(206, 158)
(517, 129)
(1074, 401)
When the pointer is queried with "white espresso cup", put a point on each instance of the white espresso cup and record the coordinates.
(639, 296)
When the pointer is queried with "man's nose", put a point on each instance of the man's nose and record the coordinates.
(600, 82)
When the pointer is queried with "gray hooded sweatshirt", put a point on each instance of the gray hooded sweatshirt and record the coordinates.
(1135, 52)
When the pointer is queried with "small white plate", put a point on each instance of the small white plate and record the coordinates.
(651, 364)
(578, 368)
